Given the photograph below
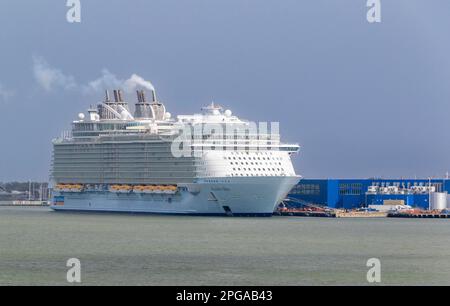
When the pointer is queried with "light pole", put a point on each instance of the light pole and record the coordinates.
(429, 193)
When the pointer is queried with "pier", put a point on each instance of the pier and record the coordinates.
(425, 215)
(23, 203)
(361, 214)
(305, 213)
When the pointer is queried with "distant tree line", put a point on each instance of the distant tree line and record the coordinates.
(23, 186)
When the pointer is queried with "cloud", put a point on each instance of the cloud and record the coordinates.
(5, 94)
(105, 81)
(50, 78)
(109, 80)
(136, 81)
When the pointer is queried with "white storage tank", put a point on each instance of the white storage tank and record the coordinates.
(438, 200)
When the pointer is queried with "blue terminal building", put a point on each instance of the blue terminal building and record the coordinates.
(355, 193)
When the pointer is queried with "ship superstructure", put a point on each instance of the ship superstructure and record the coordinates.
(209, 163)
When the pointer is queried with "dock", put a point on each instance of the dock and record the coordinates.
(419, 215)
(361, 214)
(23, 203)
(302, 213)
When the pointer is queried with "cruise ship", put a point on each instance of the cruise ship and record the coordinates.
(210, 163)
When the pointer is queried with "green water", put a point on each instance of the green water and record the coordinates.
(35, 244)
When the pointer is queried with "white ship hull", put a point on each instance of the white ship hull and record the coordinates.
(236, 196)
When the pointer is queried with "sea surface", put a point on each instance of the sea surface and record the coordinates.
(122, 249)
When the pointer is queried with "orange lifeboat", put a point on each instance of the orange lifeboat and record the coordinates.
(120, 188)
(76, 188)
(138, 188)
(64, 187)
(149, 189)
(171, 189)
(158, 189)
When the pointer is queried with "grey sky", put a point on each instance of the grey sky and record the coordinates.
(362, 99)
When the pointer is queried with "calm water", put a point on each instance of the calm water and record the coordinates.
(35, 244)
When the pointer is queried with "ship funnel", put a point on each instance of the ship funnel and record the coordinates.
(154, 95)
(114, 110)
(107, 96)
(139, 95)
(143, 108)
